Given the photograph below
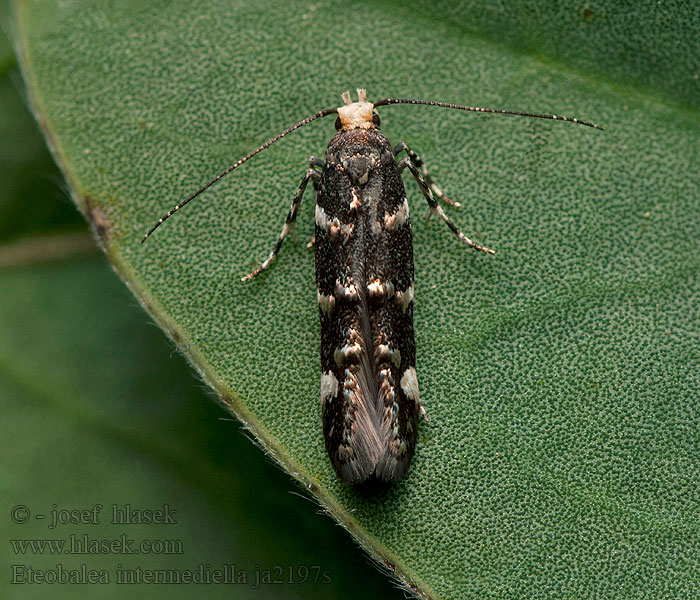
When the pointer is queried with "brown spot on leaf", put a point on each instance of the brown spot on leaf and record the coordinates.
(99, 220)
(588, 15)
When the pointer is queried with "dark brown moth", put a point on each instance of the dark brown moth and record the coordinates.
(364, 279)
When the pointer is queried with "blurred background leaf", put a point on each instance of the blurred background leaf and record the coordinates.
(561, 377)
(32, 200)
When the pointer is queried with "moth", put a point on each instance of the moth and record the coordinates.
(364, 281)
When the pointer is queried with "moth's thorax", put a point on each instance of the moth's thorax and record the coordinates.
(356, 115)
(358, 153)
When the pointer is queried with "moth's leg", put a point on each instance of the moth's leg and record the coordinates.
(315, 162)
(314, 175)
(435, 207)
(416, 160)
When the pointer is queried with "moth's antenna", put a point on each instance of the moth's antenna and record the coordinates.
(323, 113)
(388, 101)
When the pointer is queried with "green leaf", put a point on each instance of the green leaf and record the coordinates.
(560, 376)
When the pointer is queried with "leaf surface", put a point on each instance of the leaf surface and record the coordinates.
(560, 376)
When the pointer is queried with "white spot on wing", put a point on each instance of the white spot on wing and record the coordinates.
(348, 292)
(398, 218)
(355, 202)
(329, 386)
(321, 217)
(332, 226)
(326, 303)
(377, 289)
(348, 353)
(382, 352)
(409, 385)
(403, 299)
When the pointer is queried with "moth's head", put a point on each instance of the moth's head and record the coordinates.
(356, 115)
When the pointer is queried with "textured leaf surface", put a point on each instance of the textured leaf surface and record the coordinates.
(560, 376)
